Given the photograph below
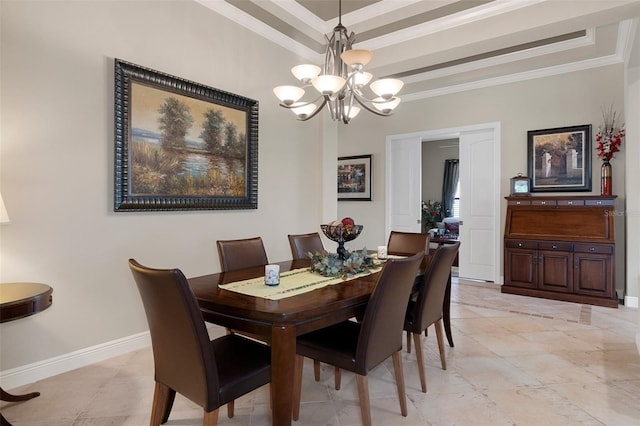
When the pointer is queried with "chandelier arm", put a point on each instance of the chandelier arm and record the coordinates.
(380, 113)
(316, 111)
(298, 104)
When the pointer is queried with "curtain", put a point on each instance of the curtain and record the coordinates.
(449, 184)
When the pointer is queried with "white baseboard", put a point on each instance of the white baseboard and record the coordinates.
(61, 364)
(631, 301)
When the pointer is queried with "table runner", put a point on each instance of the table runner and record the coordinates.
(292, 283)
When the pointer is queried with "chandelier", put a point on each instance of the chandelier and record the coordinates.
(341, 82)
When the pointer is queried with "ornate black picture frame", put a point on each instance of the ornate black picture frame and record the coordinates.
(559, 159)
(354, 178)
(180, 145)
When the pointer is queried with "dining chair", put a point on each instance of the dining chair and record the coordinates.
(210, 373)
(426, 309)
(302, 244)
(240, 254)
(407, 243)
(360, 346)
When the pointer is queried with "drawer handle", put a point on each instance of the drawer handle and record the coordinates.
(554, 246)
(543, 203)
(592, 249)
(520, 244)
(598, 202)
(570, 203)
(518, 203)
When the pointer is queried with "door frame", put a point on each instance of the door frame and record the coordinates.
(452, 133)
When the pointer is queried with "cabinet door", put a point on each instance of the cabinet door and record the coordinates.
(594, 270)
(520, 267)
(555, 267)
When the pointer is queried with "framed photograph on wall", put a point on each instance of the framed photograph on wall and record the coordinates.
(180, 145)
(354, 178)
(559, 159)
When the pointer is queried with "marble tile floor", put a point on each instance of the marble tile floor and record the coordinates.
(517, 361)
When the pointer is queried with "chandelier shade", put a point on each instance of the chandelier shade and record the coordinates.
(339, 83)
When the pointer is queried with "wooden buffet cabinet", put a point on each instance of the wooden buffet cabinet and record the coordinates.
(561, 247)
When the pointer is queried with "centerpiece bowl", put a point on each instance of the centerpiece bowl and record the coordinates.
(341, 234)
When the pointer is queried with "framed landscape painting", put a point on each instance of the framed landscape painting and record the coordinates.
(354, 178)
(180, 145)
(559, 159)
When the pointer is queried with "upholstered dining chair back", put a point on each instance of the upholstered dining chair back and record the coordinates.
(302, 244)
(185, 359)
(360, 346)
(240, 254)
(407, 243)
(428, 306)
(384, 315)
(426, 309)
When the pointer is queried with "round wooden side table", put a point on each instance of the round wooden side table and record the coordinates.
(19, 300)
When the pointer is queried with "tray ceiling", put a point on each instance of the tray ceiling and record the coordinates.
(445, 46)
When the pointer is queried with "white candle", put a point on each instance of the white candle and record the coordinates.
(272, 274)
(382, 252)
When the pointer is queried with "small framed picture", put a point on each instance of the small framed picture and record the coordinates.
(354, 178)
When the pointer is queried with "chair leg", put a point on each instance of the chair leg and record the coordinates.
(230, 409)
(316, 370)
(210, 418)
(297, 386)
(402, 393)
(338, 378)
(420, 358)
(408, 342)
(363, 394)
(439, 336)
(161, 399)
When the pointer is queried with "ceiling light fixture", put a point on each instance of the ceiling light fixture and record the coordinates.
(341, 82)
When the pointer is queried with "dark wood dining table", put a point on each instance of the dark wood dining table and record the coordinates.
(280, 321)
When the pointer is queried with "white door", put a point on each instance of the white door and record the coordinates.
(478, 168)
(403, 184)
(479, 188)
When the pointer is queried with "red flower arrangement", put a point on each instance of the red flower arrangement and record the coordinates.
(609, 138)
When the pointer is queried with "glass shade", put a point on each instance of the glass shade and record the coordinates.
(356, 57)
(328, 84)
(288, 94)
(305, 110)
(361, 78)
(353, 111)
(306, 72)
(386, 87)
(385, 106)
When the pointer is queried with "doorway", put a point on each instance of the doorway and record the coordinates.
(479, 190)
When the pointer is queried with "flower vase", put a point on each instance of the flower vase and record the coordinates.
(606, 176)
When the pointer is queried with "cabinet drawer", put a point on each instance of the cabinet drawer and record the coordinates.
(523, 202)
(593, 248)
(599, 202)
(543, 203)
(571, 202)
(557, 246)
(522, 244)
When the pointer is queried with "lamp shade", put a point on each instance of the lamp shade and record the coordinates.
(304, 110)
(387, 87)
(356, 58)
(288, 94)
(4, 216)
(385, 106)
(305, 72)
(328, 84)
(361, 78)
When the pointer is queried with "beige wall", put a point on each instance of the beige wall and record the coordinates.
(57, 162)
(563, 100)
